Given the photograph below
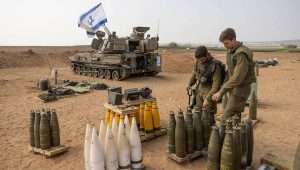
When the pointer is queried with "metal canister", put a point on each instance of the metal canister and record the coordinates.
(44, 132)
(171, 132)
(206, 127)
(227, 155)
(244, 145)
(250, 141)
(31, 128)
(141, 113)
(253, 107)
(148, 119)
(37, 119)
(198, 132)
(54, 127)
(180, 136)
(237, 146)
(48, 113)
(189, 132)
(214, 150)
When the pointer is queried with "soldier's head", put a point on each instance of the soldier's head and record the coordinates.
(201, 54)
(228, 38)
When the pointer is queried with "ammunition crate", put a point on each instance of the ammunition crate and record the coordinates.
(130, 108)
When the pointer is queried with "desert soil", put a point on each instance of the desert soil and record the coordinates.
(20, 68)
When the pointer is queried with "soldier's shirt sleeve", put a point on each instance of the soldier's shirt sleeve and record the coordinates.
(239, 73)
(193, 78)
(217, 78)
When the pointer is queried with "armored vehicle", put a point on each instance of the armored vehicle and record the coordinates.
(118, 58)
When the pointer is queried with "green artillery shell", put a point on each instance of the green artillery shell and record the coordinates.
(180, 136)
(54, 126)
(214, 150)
(253, 107)
(44, 132)
(48, 113)
(199, 114)
(250, 139)
(206, 127)
(237, 147)
(189, 132)
(171, 132)
(227, 156)
(198, 132)
(37, 119)
(222, 132)
(296, 165)
(31, 128)
(243, 144)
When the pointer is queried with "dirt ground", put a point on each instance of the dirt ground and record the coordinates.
(20, 68)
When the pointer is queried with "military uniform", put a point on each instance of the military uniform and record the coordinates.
(240, 76)
(206, 80)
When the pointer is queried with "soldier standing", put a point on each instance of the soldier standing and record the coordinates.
(240, 75)
(205, 81)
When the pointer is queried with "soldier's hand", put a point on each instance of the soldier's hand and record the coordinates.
(188, 87)
(216, 97)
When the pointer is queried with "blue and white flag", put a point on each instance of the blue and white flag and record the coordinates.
(93, 19)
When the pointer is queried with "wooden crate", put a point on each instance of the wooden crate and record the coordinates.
(51, 152)
(153, 135)
(122, 109)
(187, 158)
(132, 107)
(138, 102)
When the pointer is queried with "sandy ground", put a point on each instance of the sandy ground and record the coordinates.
(278, 132)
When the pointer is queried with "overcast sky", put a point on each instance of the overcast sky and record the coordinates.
(54, 22)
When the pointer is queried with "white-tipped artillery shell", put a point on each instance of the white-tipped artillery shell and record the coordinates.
(135, 146)
(96, 153)
(111, 153)
(123, 149)
(87, 142)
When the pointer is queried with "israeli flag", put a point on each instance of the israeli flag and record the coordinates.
(93, 19)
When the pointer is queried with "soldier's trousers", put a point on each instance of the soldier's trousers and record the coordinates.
(236, 102)
(211, 109)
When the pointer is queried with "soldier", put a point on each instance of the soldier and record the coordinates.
(206, 80)
(240, 74)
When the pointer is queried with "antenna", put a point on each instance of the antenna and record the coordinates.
(157, 29)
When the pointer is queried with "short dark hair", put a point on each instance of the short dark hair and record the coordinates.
(227, 34)
(201, 51)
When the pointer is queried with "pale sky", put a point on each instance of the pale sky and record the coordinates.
(54, 22)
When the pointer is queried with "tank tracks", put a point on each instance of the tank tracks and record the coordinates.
(104, 72)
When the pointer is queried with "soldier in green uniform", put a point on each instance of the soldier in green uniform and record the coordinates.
(205, 81)
(240, 74)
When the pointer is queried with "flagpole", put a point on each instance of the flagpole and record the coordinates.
(106, 30)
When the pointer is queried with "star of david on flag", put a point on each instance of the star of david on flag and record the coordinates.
(93, 19)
